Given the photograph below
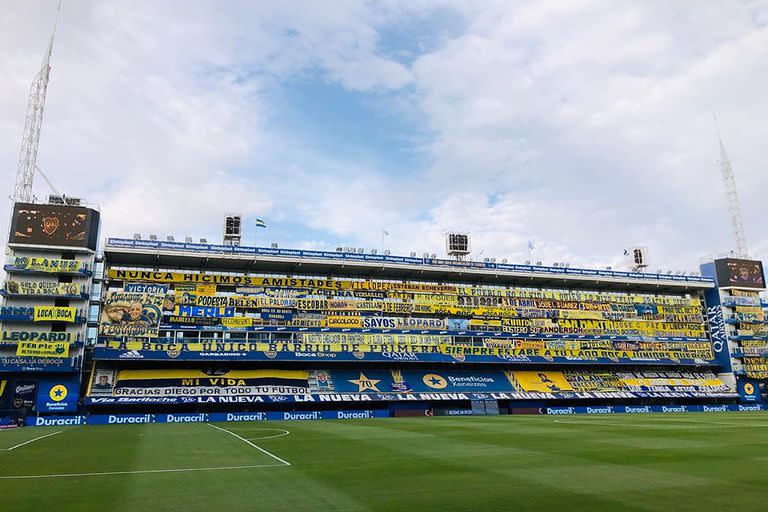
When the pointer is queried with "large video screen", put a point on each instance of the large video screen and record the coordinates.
(52, 224)
(740, 273)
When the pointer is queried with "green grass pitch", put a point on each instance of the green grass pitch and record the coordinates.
(696, 462)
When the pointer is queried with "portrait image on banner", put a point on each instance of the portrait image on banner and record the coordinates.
(131, 314)
(103, 382)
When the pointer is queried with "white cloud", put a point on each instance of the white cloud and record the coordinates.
(585, 126)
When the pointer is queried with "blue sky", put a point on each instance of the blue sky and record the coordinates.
(585, 126)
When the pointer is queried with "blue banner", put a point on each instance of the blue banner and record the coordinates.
(120, 419)
(393, 397)
(749, 389)
(157, 289)
(456, 381)
(57, 395)
(56, 421)
(36, 364)
(717, 329)
(101, 353)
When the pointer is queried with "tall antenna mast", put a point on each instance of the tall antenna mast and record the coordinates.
(30, 140)
(732, 197)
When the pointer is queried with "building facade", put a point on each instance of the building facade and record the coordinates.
(43, 320)
(199, 327)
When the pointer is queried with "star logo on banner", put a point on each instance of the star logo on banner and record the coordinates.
(58, 393)
(365, 384)
(434, 381)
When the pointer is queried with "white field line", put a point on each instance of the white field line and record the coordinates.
(282, 433)
(250, 443)
(137, 472)
(31, 441)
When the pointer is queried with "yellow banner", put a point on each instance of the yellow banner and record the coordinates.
(234, 322)
(43, 288)
(207, 290)
(43, 349)
(343, 321)
(227, 301)
(193, 375)
(277, 282)
(54, 314)
(48, 265)
(226, 279)
(543, 382)
(422, 344)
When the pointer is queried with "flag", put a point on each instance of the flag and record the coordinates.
(530, 245)
(260, 223)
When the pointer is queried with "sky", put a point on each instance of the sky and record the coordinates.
(584, 126)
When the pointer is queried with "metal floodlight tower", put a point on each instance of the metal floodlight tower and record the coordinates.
(30, 140)
(732, 198)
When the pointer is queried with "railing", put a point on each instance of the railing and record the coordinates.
(433, 262)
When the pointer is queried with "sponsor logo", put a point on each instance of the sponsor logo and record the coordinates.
(560, 410)
(600, 410)
(717, 328)
(58, 393)
(749, 388)
(637, 408)
(131, 354)
(315, 415)
(434, 381)
(714, 408)
(113, 419)
(24, 388)
(256, 416)
(186, 418)
(400, 356)
(354, 415)
(676, 408)
(53, 421)
(755, 407)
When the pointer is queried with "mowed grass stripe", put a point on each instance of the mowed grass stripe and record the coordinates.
(482, 463)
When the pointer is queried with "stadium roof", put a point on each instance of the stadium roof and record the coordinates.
(221, 258)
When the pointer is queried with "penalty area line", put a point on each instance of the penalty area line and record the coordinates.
(281, 434)
(31, 441)
(262, 450)
(138, 472)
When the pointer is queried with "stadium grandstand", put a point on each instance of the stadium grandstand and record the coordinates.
(184, 327)
(225, 328)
